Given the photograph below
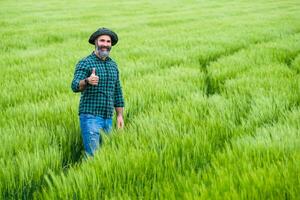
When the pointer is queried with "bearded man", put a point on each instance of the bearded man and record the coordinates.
(97, 78)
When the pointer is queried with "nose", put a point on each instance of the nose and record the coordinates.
(106, 44)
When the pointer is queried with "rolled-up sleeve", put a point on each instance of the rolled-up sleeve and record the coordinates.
(79, 74)
(118, 95)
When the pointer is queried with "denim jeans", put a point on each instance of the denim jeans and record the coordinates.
(90, 130)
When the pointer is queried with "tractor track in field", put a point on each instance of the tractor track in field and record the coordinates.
(206, 63)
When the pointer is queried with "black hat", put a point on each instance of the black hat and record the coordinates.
(104, 31)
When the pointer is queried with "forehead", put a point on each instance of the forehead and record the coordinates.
(105, 37)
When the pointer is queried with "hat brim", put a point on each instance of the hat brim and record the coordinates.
(95, 35)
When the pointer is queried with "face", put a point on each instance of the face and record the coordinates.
(103, 46)
(104, 42)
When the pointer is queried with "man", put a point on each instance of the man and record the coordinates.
(97, 78)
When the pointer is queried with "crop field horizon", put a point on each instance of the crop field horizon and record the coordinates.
(212, 100)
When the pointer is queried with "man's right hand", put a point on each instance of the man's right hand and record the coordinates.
(93, 79)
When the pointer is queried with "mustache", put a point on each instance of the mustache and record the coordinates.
(103, 46)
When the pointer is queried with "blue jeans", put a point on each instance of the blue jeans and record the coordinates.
(90, 130)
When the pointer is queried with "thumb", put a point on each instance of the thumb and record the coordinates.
(94, 72)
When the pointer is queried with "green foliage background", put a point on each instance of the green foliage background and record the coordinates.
(212, 97)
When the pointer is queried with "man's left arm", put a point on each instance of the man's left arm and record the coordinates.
(119, 102)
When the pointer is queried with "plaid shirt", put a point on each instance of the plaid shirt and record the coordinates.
(101, 99)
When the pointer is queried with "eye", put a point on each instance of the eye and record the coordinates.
(103, 40)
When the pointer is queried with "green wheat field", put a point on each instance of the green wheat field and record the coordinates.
(212, 94)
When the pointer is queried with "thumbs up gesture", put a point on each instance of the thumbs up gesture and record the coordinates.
(93, 79)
